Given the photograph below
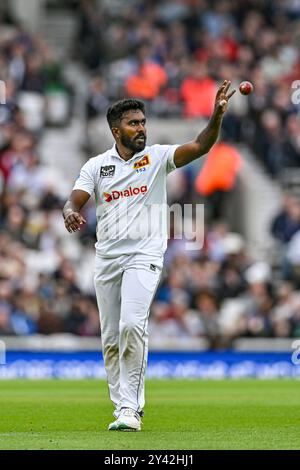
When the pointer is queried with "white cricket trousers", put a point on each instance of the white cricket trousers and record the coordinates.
(125, 287)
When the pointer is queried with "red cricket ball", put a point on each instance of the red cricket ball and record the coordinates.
(246, 88)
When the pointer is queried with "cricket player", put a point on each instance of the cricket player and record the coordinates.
(127, 179)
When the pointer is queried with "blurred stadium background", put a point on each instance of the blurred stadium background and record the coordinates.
(231, 308)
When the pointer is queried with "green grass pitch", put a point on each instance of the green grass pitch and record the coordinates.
(180, 414)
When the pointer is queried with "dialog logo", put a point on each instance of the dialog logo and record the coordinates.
(107, 197)
(128, 192)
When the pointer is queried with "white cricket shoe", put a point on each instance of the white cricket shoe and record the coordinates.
(128, 420)
(116, 413)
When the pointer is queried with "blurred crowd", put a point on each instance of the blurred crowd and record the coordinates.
(172, 54)
(38, 289)
(221, 293)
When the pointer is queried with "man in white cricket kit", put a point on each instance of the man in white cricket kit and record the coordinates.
(128, 181)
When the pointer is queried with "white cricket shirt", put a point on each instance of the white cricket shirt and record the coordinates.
(131, 199)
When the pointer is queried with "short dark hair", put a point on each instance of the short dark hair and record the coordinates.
(115, 112)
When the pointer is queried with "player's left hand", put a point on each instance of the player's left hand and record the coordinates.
(222, 97)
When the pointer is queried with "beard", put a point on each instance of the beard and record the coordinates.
(133, 145)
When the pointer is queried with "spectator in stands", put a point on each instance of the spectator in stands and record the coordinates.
(197, 91)
(284, 314)
(292, 142)
(90, 34)
(149, 78)
(33, 77)
(269, 141)
(97, 101)
(287, 222)
(258, 300)
(207, 304)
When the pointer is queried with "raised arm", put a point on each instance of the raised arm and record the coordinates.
(188, 152)
(73, 219)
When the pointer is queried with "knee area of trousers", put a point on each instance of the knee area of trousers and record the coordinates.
(130, 328)
(111, 348)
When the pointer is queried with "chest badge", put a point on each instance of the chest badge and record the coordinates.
(140, 165)
(107, 171)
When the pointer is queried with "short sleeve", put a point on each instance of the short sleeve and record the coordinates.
(85, 180)
(167, 155)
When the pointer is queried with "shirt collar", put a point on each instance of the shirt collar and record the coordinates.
(114, 153)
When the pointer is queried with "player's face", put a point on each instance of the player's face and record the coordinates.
(132, 130)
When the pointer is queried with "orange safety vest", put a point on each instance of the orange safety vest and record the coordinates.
(219, 170)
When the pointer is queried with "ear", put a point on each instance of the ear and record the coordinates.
(115, 132)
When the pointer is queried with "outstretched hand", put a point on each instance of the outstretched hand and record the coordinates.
(222, 97)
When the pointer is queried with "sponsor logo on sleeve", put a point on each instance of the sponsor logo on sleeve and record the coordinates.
(107, 171)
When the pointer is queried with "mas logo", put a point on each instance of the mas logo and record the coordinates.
(142, 162)
(128, 192)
